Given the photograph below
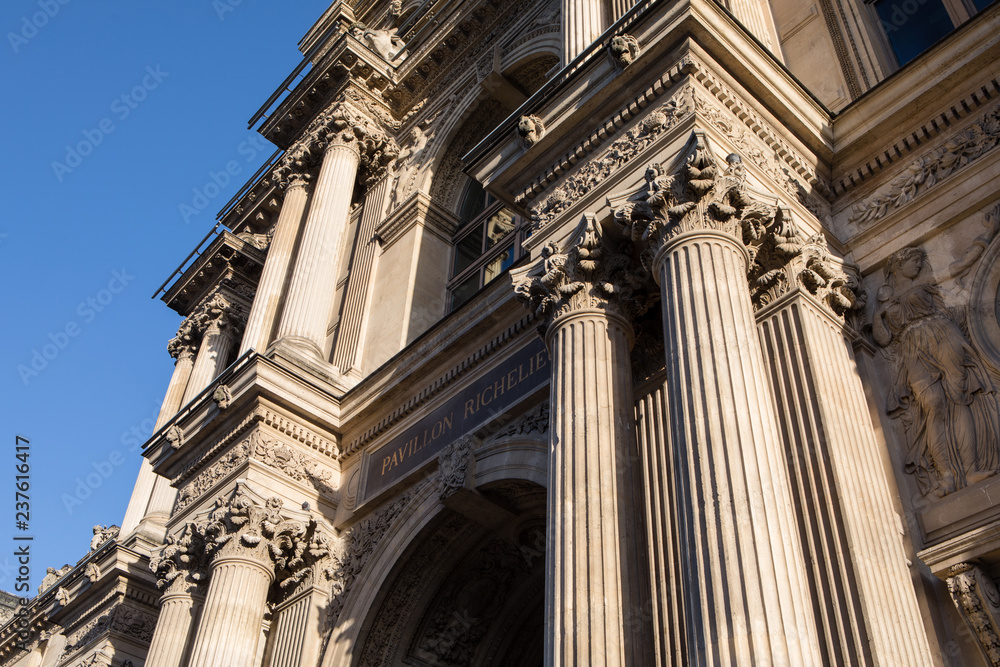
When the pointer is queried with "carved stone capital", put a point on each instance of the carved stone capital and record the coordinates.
(185, 343)
(295, 167)
(220, 315)
(586, 275)
(182, 563)
(978, 601)
(244, 525)
(349, 124)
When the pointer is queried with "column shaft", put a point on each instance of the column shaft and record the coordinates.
(745, 597)
(229, 628)
(314, 277)
(171, 641)
(582, 23)
(858, 575)
(754, 16)
(144, 483)
(275, 276)
(354, 313)
(595, 568)
(213, 355)
(619, 8)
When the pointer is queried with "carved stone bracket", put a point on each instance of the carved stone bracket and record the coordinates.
(978, 601)
(530, 130)
(585, 275)
(453, 465)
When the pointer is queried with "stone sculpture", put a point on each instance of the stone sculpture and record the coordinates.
(941, 390)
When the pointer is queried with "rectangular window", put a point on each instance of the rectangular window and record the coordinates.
(913, 26)
(485, 247)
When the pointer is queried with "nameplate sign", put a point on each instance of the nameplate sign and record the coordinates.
(487, 397)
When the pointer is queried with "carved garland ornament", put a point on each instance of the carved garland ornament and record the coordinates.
(978, 601)
(273, 453)
(658, 121)
(927, 171)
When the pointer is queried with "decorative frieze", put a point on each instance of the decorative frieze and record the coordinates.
(121, 618)
(453, 465)
(925, 172)
(273, 453)
(535, 422)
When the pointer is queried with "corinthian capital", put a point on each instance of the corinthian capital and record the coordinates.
(586, 275)
(185, 342)
(249, 526)
(182, 562)
(348, 123)
(220, 314)
(295, 166)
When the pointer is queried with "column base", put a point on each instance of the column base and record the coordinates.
(303, 357)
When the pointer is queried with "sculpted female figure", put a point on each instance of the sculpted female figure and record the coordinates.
(941, 388)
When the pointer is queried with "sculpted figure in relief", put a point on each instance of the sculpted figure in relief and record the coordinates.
(941, 389)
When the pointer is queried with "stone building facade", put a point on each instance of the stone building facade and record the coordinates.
(568, 332)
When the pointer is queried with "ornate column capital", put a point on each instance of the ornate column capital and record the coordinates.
(217, 314)
(587, 275)
(247, 526)
(295, 167)
(185, 343)
(352, 124)
(182, 563)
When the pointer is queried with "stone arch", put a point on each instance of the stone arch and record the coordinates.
(419, 592)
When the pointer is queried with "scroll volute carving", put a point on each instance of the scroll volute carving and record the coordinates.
(182, 563)
(587, 274)
(941, 391)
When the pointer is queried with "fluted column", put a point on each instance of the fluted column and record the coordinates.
(583, 21)
(275, 276)
(755, 16)
(354, 313)
(619, 8)
(596, 570)
(171, 643)
(745, 598)
(179, 567)
(182, 348)
(249, 536)
(213, 356)
(230, 624)
(858, 571)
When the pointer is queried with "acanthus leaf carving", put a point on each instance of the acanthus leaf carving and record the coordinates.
(182, 563)
(978, 601)
(586, 275)
(453, 465)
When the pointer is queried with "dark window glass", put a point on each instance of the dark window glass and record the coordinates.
(473, 203)
(468, 250)
(912, 26)
(464, 290)
(982, 4)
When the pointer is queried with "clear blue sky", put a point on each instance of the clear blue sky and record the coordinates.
(86, 237)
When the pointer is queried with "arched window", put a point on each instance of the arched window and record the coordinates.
(487, 243)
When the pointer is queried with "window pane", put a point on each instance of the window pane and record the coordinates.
(982, 4)
(464, 291)
(468, 250)
(912, 26)
(499, 265)
(499, 225)
(473, 203)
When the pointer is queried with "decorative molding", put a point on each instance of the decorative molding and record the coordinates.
(530, 130)
(927, 171)
(978, 601)
(453, 465)
(268, 451)
(222, 396)
(121, 618)
(536, 421)
(92, 572)
(618, 154)
(458, 371)
(182, 563)
(929, 130)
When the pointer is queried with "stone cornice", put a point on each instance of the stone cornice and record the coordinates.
(419, 208)
(230, 261)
